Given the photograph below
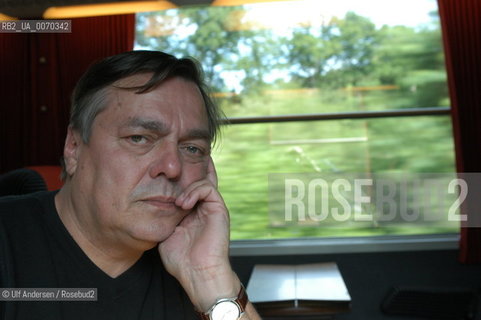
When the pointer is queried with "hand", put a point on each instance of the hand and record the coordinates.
(197, 252)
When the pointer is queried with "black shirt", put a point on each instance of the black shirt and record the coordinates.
(36, 251)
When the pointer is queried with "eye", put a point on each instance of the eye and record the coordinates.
(137, 139)
(193, 150)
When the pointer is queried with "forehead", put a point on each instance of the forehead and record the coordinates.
(174, 95)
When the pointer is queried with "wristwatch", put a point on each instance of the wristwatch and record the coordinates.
(227, 309)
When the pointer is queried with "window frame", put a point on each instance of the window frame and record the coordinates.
(343, 244)
(409, 112)
(340, 245)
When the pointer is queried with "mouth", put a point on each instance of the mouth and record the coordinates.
(160, 202)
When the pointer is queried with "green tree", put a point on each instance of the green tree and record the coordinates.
(204, 37)
(339, 53)
(413, 59)
(310, 54)
(212, 42)
(358, 39)
(261, 54)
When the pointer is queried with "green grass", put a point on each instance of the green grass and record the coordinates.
(247, 154)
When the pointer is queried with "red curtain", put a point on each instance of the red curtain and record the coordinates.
(37, 75)
(461, 24)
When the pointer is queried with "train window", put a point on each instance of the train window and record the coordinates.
(337, 89)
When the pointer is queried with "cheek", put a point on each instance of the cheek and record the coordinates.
(114, 172)
(194, 172)
(114, 183)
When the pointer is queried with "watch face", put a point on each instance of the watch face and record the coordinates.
(226, 310)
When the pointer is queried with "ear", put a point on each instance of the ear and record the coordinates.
(71, 150)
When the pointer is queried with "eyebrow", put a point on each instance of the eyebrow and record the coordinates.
(199, 134)
(151, 125)
(160, 127)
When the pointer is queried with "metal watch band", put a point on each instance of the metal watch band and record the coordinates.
(241, 301)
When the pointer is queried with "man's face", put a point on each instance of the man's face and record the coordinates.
(144, 150)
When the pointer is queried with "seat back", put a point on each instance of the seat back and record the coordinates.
(51, 175)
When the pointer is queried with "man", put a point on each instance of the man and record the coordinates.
(139, 216)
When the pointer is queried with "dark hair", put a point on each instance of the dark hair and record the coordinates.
(89, 97)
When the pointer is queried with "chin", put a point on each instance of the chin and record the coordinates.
(153, 233)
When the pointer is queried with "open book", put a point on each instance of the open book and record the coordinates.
(307, 289)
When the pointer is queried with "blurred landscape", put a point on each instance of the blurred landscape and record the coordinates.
(332, 65)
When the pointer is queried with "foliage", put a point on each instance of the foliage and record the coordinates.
(343, 52)
(249, 153)
(209, 41)
(346, 64)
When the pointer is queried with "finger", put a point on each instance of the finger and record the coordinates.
(201, 191)
(190, 188)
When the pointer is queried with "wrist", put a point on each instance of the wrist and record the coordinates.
(205, 291)
(232, 308)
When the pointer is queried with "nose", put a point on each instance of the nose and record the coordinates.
(166, 162)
